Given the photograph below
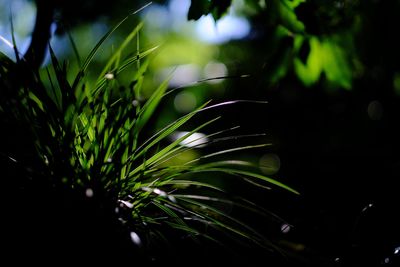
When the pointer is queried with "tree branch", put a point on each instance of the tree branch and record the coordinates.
(36, 52)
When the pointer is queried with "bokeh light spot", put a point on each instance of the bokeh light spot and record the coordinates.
(185, 102)
(270, 163)
(215, 70)
(89, 192)
(135, 239)
(228, 28)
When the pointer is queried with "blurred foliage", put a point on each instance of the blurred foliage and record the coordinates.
(312, 39)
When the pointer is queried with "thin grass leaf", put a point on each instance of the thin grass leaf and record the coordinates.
(238, 163)
(169, 212)
(188, 183)
(164, 152)
(61, 75)
(206, 137)
(6, 42)
(191, 84)
(118, 52)
(227, 151)
(151, 105)
(14, 43)
(94, 51)
(164, 132)
(232, 102)
(74, 48)
(53, 89)
(248, 174)
(38, 102)
(244, 233)
(185, 118)
(129, 61)
(168, 150)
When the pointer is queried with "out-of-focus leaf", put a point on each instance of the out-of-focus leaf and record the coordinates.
(288, 16)
(335, 64)
(310, 72)
(325, 56)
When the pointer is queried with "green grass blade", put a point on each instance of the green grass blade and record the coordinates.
(135, 58)
(227, 151)
(167, 151)
(232, 224)
(248, 174)
(206, 137)
(61, 75)
(118, 52)
(151, 105)
(164, 152)
(166, 131)
(94, 51)
(187, 183)
(74, 48)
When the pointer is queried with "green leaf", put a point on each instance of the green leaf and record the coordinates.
(151, 105)
(167, 130)
(288, 16)
(94, 51)
(35, 99)
(310, 72)
(325, 56)
(61, 75)
(221, 219)
(221, 152)
(118, 52)
(165, 151)
(249, 174)
(335, 65)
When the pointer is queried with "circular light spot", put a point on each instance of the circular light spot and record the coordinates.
(215, 70)
(135, 103)
(270, 163)
(89, 192)
(185, 102)
(180, 75)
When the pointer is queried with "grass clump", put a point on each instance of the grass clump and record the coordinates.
(99, 185)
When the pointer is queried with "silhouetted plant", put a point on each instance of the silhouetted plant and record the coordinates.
(86, 139)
